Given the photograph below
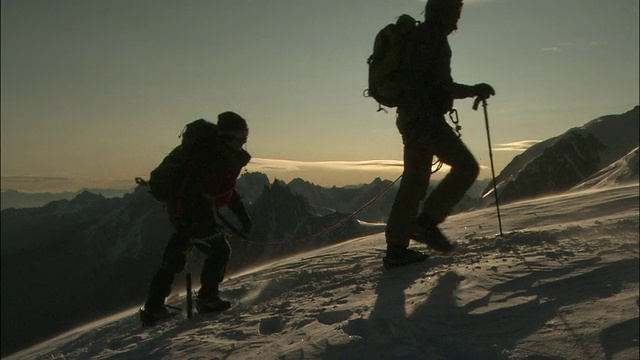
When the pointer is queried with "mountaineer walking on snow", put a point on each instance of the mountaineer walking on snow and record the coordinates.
(428, 93)
(194, 180)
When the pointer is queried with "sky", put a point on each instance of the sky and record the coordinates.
(95, 93)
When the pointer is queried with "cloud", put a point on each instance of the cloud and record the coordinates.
(328, 173)
(336, 168)
(570, 45)
(519, 146)
(261, 164)
(34, 179)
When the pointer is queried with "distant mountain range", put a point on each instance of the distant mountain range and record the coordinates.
(72, 260)
(17, 199)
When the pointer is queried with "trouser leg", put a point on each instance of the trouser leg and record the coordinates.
(464, 171)
(173, 262)
(214, 268)
(412, 190)
(209, 240)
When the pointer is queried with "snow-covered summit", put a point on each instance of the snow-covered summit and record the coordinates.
(562, 162)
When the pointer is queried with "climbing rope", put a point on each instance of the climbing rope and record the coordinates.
(453, 116)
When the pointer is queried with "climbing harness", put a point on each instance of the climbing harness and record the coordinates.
(456, 121)
(453, 116)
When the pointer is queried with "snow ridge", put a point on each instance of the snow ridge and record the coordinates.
(561, 283)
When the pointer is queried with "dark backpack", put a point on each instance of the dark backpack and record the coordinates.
(166, 180)
(384, 63)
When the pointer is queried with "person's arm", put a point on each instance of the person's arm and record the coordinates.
(198, 177)
(482, 90)
(237, 207)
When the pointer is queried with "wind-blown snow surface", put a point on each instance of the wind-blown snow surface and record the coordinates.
(561, 284)
(562, 162)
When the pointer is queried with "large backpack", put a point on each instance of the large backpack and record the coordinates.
(385, 61)
(166, 180)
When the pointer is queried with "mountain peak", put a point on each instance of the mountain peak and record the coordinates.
(562, 162)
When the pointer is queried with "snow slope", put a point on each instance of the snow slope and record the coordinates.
(562, 162)
(562, 283)
(622, 171)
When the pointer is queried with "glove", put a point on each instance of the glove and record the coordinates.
(483, 91)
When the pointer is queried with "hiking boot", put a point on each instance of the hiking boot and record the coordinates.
(432, 236)
(152, 316)
(212, 305)
(402, 256)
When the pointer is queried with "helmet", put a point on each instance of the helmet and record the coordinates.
(231, 124)
(438, 6)
(443, 12)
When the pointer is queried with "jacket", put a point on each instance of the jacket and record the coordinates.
(210, 178)
(425, 74)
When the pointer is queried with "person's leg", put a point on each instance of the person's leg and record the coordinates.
(173, 262)
(214, 268)
(210, 240)
(413, 188)
(218, 252)
(464, 171)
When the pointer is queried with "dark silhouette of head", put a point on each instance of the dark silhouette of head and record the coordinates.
(443, 13)
(233, 129)
(229, 121)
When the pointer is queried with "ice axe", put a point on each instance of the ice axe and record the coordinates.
(493, 174)
(189, 297)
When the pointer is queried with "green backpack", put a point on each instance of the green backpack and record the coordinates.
(385, 61)
(166, 180)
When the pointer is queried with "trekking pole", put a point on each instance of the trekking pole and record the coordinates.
(493, 174)
(189, 297)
